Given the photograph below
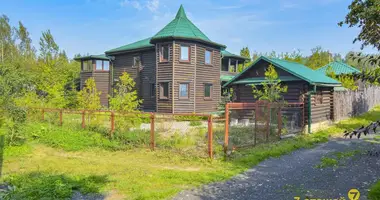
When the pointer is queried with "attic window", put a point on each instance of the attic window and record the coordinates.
(164, 53)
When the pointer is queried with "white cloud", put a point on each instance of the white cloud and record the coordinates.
(132, 3)
(151, 5)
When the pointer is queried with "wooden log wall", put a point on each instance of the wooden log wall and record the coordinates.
(143, 78)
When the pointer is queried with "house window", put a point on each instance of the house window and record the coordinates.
(136, 61)
(87, 65)
(183, 90)
(208, 90)
(164, 90)
(208, 57)
(164, 53)
(185, 53)
(99, 65)
(152, 89)
(106, 65)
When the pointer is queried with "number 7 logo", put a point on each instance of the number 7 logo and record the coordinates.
(354, 194)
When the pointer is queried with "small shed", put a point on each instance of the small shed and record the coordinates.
(305, 85)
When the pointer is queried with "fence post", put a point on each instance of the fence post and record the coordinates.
(152, 131)
(60, 117)
(83, 119)
(210, 137)
(279, 122)
(256, 115)
(43, 114)
(112, 123)
(268, 120)
(226, 114)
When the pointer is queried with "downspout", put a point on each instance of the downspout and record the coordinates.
(309, 108)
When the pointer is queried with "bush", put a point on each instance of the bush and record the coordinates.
(38, 185)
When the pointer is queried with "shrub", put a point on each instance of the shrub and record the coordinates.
(38, 185)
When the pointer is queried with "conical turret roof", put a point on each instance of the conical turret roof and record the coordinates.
(182, 28)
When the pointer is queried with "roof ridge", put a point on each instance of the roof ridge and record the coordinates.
(287, 61)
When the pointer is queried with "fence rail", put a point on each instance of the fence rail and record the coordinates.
(111, 117)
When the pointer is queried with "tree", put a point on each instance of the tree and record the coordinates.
(363, 61)
(89, 97)
(246, 53)
(365, 14)
(347, 80)
(271, 88)
(318, 58)
(49, 50)
(125, 96)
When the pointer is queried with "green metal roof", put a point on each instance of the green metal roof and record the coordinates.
(182, 28)
(227, 54)
(296, 69)
(226, 77)
(141, 44)
(339, 68)
(259, 80)
(99, 57)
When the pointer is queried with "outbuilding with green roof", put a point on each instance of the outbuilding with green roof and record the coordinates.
(312, 89)
(339, 68)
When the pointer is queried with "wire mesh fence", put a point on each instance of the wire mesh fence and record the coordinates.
(187, 134)
(198, 135)
(249, 124)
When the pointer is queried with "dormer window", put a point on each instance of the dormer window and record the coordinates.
(185, 53)
(164, 53)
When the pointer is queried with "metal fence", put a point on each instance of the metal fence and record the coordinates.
(249, 124)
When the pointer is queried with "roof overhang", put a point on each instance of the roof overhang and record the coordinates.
(91, 57)
(159, 39)
(129, 50)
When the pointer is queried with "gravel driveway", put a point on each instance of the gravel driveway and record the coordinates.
(296, 174)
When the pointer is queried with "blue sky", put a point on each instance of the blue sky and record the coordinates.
(94, 26)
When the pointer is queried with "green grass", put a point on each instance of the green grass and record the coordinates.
(327, 162)
(65, 157)
(37, 185)
(374, 192)
(195, 123)
(337, 158)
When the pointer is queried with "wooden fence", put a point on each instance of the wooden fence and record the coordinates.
(352, 103)
(110, 117)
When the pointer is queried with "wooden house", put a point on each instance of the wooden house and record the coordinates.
(305, 85)
(97, 67)
(178, 70)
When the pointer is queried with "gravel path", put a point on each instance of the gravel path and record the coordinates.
(295, 174)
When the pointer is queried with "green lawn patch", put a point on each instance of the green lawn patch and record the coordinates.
(66, 156)
(374, 192)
